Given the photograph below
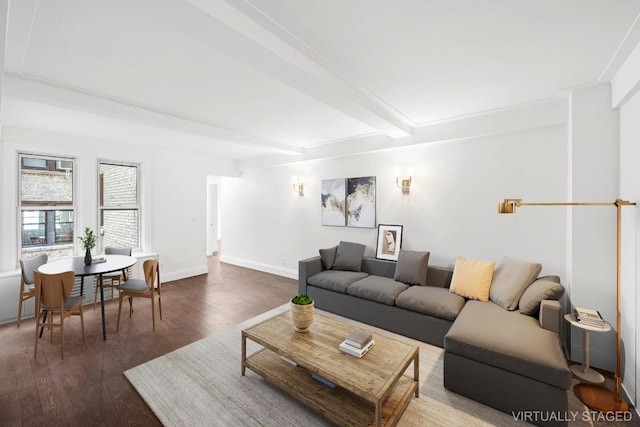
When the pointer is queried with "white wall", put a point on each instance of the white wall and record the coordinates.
(625, 86)
(451, 210)
(593, 177)
(173, 200)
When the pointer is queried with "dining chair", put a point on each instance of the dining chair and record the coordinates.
(147, 288)
(53, 296)
(27, 289)
(114, 277)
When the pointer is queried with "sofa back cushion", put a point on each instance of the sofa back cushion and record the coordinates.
(547, 287)
(349, 257)
(472, 278)
(510, 279)
(328, 256)
(439, 276)
(412, 267)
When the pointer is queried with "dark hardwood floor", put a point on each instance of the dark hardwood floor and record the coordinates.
(88, 387)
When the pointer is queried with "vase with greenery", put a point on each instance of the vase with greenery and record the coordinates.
(301, 312)
(88, 243)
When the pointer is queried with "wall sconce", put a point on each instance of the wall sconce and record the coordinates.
(404, 181)
(298, 185)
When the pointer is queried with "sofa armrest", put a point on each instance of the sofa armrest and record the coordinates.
(550, 316)
(307, 268)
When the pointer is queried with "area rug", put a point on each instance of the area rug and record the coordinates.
(200, 385)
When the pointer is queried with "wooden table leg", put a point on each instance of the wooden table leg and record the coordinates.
(416, 371)
(378, 415)
(244, 351)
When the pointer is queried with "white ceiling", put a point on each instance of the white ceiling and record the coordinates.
(250, 78)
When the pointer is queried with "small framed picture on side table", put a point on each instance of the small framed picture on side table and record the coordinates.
(389, 242)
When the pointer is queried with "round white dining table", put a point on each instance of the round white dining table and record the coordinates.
(76, 264)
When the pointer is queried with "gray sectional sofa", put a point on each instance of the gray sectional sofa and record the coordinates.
(505, 354)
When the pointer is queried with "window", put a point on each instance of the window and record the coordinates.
(47, 208)
(119, 209)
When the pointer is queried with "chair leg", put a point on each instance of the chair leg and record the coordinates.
(153, 313)
(61, 335)
(160, 305)
(35, 350)
(120, 297)
(130, 306)
(20, 303)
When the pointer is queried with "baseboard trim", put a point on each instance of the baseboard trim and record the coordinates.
(278, 271)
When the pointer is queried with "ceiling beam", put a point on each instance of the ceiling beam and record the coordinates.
(22, 14)
(37, 90)
(624, 50)
(537, 115)
(255, 40)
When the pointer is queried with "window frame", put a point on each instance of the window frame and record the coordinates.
(47, 206)
(101, 208)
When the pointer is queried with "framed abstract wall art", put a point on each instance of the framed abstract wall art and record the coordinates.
(332, 202)
(361, 202)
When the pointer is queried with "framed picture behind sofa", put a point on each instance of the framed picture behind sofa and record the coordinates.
(389, 242)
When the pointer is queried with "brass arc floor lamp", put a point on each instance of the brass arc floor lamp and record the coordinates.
(594, 396)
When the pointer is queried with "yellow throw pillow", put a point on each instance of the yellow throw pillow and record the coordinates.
(472, 278)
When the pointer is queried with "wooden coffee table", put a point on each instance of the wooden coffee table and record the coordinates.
(372, 390)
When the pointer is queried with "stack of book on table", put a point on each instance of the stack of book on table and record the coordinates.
(589, 317)
(357, 343)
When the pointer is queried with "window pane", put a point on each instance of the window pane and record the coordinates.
(118, 185)
(31, 163)
(120, 228)
(33, 228)
(46, 204)
(64, 226)
(50, 186)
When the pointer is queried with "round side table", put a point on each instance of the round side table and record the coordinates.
(584, 372)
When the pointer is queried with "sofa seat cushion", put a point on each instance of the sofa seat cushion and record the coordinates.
(336, 280)
(431, 300)
(378, 289)
(487, 333)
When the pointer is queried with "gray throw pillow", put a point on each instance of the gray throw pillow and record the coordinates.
(328, 256)
(543, 288)
(412, 267)
(510, 279)
(349, 257)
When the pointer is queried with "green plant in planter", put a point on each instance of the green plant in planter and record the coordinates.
(89, 239)
(88, 243)
(302, 300)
